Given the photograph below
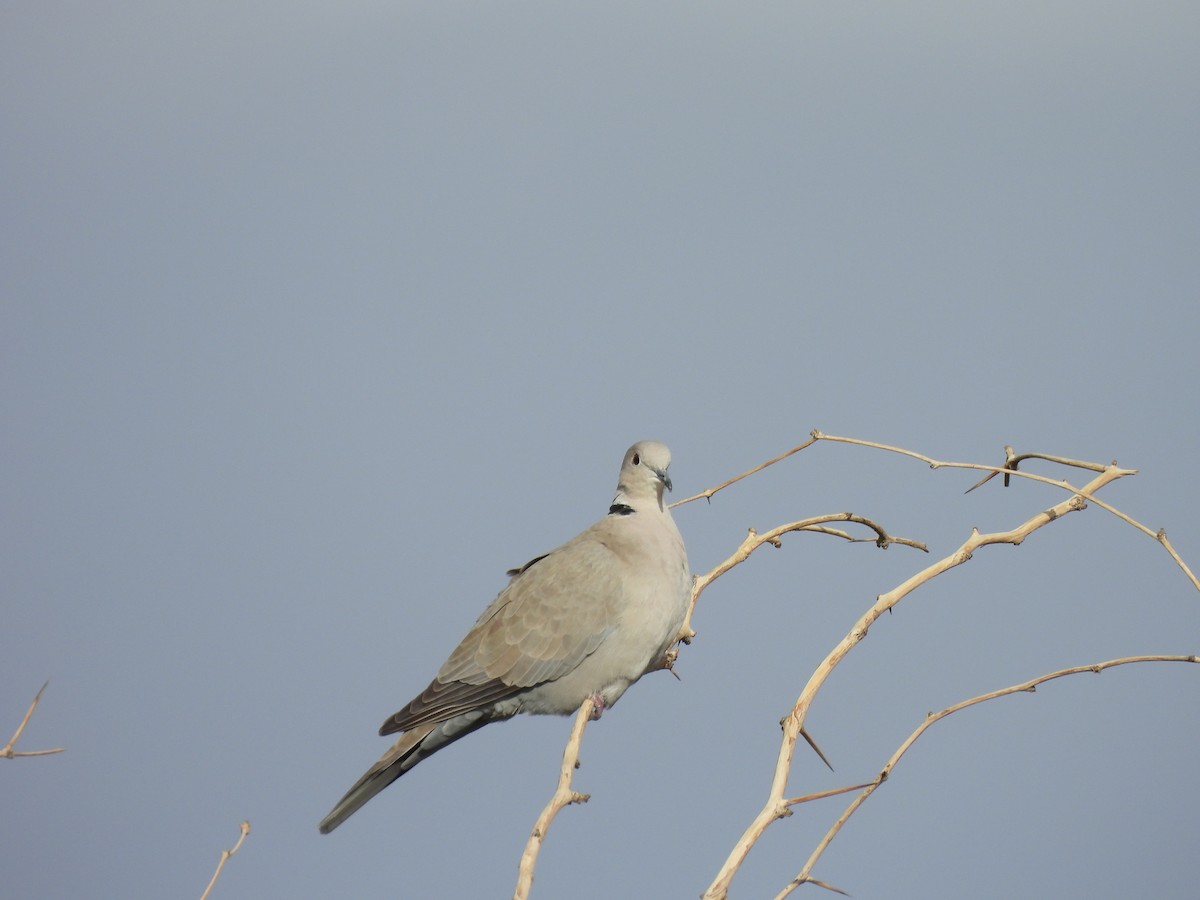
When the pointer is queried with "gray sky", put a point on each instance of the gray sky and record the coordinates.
(318, 317)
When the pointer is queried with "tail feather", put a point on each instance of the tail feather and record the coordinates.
(412, 747)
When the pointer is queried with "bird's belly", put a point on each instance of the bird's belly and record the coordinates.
(616, 664)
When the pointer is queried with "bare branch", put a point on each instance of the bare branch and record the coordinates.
(564, 795)
(821, 795)
(777, 806)
(754, 540)
(225, 857)
(1012, 460)
(8, 752)
(774, 806)
(1025, 686)
(1009, 468)
(708, 493)
(1161, 537)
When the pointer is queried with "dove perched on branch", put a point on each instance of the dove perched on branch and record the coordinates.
(586, 620)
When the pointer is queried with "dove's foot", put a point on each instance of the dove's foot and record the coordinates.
(598, 706)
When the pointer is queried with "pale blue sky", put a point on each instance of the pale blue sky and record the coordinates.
(318, 317)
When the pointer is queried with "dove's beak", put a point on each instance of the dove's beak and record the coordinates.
(666, 479)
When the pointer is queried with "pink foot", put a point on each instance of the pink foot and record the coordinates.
(598, 703)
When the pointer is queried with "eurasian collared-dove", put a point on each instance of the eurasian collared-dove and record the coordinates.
(585, 620)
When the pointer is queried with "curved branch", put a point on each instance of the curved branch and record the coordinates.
(1012, 460)
(1010, 468)
(775, 806)
(1025, 686)
(754, 540)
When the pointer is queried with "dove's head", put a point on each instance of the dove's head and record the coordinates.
(644, 471)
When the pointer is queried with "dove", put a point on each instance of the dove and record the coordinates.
(583, 621)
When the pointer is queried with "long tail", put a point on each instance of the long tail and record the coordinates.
(413, 746)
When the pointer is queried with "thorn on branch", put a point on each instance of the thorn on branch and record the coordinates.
(828, 887)
(982, 481)
(808, 737)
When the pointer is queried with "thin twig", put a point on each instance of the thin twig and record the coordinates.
(754, 540)
(564, 795)
(8, 752)
(225, 857)
(821, 795)
(1025, 686)
(1012, 460)
(708, 492)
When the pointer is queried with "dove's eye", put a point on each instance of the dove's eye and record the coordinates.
(637, 460)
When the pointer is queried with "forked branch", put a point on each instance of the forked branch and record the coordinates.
(754, 541)
(776, 805)
(8, 752)
(1010, 468)
(1026, 686)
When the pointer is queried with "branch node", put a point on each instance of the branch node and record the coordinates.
(226, 855)
(7, 751)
